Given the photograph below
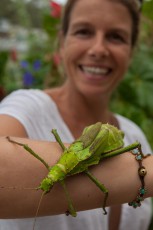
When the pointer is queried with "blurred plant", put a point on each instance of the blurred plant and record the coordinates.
(51, 24)
(147, 9)
(28, 70)
(28, 73)
(3, 61)
(33, 71)
(39, 66)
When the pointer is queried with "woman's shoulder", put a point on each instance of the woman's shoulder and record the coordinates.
(27, 97)
(26, 103)
(28, 93)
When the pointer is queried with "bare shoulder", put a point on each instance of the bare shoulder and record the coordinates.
(11, 126)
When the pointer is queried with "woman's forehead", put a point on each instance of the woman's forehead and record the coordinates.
(100, 11)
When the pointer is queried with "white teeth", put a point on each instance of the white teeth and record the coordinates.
(95, 70)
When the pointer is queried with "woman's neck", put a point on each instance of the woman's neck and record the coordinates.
(79, 111)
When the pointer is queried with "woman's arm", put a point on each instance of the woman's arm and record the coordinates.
(20, 169)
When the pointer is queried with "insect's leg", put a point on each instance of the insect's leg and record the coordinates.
(101, 187)
(27, 148)
(71, 209)
(121, 150)
(58, 139)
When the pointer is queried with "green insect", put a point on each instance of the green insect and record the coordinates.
(97, 142)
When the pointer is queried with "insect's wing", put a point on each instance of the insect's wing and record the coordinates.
(82, 144)
(93, 152)
(115, 138)
(99, 144)
(108, 139)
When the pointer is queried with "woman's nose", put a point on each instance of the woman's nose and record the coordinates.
(99, 48)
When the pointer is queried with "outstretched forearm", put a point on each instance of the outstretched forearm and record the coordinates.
(21, 170)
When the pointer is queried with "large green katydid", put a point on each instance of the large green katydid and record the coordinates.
(97, 142)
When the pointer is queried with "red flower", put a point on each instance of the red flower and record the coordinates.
(56, 59)
(56, 9)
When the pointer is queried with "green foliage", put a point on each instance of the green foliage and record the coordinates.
(51, 25)
(3, 61)
(148, 9)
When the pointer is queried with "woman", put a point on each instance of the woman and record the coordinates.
(96, 45)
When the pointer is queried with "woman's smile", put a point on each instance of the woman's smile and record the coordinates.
(95, 72)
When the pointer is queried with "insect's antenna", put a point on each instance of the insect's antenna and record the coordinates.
(14, 187)
(42, 195)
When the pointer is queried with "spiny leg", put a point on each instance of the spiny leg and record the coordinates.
(71, 209)
(28, 149)
(121, 150)
(101, 187)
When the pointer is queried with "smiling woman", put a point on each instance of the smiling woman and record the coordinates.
(97, 39)
(104, 51)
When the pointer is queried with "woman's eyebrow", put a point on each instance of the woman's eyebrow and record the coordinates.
(80, 24)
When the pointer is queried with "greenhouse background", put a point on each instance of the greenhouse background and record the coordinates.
(29, 57)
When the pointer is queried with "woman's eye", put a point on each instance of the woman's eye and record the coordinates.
(116, 38)
(83, 32)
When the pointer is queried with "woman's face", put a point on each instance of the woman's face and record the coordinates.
(97, 47)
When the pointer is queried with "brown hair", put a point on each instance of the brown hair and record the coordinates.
(134, 7)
